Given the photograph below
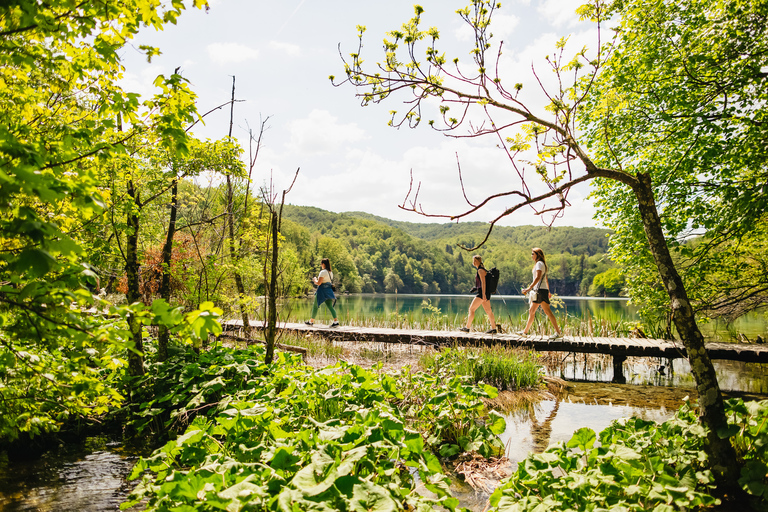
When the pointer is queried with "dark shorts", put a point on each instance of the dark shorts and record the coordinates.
(541, 296)
(479, 295)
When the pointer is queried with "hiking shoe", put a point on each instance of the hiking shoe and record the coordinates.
(492, 331)
(311, 324)
(555, 337)
(464, 329)
(521, 333)
(335, 324)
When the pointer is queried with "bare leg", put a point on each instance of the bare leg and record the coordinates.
(472, 308)
(531, 317)
(551, 317)
(489, 312)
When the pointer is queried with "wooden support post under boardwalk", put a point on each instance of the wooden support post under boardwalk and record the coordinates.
(618, 369)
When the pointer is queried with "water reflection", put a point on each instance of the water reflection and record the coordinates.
(653, 371)
(507, 308)
(91, 477)
(594, 405)
(555, 421)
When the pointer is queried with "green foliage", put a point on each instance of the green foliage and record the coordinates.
(82, 377)
(285, 436)
(748, 423)
(682, 96)
(447, 408)
(172, 393)
(607, 284)
(388, 255)
(61, 112)
(637, 465)
(499, 366)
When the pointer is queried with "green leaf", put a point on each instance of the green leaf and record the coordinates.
(35, 262)
(369, 497)
(584, 438)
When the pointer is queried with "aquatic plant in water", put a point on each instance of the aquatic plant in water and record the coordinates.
(500, 366)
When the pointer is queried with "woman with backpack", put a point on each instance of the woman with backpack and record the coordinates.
(324, 293)
(483, 297)
(540, 291)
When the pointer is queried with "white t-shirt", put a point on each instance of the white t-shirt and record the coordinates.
(327, 276)
(544, 283)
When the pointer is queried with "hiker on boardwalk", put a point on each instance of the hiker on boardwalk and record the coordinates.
(483, 298)
(539, 290)
(324, 293)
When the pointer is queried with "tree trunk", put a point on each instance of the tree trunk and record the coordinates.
(272, 293)
(135, 361)
(165, 283)
(234, 254)
(711, 408)
(235, 260)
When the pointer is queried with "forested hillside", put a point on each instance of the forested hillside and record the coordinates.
(371, 254)
(589, 241)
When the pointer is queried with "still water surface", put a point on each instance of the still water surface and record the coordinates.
(579, 315)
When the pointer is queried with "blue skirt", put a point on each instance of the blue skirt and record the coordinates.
(324, 292)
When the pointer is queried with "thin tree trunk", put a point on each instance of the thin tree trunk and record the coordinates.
(165, 283)
(272, 292)
(135, 361)
(711, 407)
(235, 260)
(233, 253)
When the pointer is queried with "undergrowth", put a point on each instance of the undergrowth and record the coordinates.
(287, 437)
(497, 365)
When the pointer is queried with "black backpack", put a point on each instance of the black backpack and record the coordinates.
(491, 280)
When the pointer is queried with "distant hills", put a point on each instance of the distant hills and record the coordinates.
(589, 241)
(381, 255)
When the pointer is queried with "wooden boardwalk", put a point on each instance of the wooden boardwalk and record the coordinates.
(619, 348)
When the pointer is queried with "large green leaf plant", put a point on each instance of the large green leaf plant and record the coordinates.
(284, 436)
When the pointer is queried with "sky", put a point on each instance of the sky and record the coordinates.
(281, 55)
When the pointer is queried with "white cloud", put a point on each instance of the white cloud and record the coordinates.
(321, 133)
(502, 28)
(289, 49)
(141, 83)
(231, 53)
(559, 13)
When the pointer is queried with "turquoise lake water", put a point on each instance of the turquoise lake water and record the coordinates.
(579, 315)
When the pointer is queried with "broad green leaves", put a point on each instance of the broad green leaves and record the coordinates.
(61, 112)
(288, 437)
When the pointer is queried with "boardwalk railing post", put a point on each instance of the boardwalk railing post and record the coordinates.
(618, 369)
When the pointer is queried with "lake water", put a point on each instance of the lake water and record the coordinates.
(580, 316)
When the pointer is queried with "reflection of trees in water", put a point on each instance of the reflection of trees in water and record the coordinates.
(542, 431)
(578, 366)
(654, 371)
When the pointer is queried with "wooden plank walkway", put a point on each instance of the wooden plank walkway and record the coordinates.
(620, 348)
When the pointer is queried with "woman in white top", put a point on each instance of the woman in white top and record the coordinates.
(540, 286)
(324, 293)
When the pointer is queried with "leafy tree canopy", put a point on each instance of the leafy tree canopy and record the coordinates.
(682, 96)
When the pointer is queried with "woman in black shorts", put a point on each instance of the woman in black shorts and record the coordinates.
(540, 287)
(482, 298)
